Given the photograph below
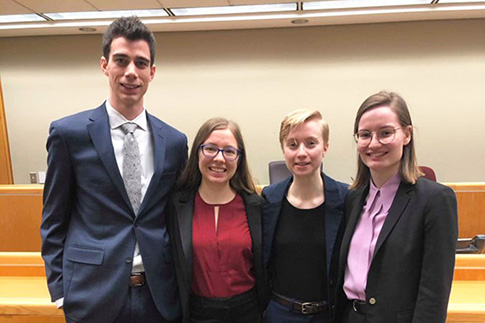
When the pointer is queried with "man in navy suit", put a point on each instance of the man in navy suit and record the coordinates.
(107, 259)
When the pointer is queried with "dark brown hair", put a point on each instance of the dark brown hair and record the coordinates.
(408, 169)
(132, 29)
(191, 177)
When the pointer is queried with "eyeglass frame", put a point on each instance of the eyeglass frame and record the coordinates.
(220, 150)
(372, 133)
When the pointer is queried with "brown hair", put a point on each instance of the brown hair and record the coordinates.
(408, 169)
(132, 29)
(191, 177)
(299, 117)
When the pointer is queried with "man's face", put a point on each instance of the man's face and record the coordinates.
(129, 72)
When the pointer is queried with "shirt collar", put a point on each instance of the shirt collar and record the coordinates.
(387, 191)
(116, 119)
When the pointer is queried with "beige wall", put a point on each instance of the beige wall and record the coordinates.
(257, 76)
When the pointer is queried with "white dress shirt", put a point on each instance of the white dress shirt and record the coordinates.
(145, 144)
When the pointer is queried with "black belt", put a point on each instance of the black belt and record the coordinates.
(223, 301)
(359, 306)
(302, 307)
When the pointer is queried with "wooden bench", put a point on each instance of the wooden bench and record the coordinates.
(24, 297)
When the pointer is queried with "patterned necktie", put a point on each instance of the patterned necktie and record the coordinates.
(131, 165)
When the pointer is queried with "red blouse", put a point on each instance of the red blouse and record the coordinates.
(222, 258)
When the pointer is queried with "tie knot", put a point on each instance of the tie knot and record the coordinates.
(129, 127)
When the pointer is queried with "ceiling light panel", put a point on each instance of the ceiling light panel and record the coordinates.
(460, 1)
(202, 11)
(105, 14)
(345, 4)
(125, 4)
(255, 2)
(20, 18)
(193, 3)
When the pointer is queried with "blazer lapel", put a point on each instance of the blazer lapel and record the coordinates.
(158, 157)
(333, 219)
(357, 200)
(254, 222)
(271, 211)
(185, 209)
(99, 130)
(397, 208)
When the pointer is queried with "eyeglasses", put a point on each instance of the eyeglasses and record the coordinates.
(211, 151)
(384, 136)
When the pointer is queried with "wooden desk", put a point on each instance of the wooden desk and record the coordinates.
(26, 300)
(467, 302)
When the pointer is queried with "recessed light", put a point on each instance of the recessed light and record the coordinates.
(299, 21)
(87, 29)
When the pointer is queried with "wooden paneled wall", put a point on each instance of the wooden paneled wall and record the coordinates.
(471, 208)
(6, 176)
(20, 217)
(21, 208)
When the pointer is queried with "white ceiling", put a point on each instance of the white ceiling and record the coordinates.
(219, 22)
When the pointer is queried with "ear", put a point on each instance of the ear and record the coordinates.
(325, 149)
(153, 69)
(104, 65)
(408, 133)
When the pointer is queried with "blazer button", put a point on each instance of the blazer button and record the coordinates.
(332, 282)
(128, 260)
(372, 301)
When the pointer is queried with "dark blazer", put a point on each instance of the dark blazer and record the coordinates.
(412, 270)
(89, 228)
(335, 193)
(180, 229)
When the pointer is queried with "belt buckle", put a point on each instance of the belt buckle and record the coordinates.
(353, 306)
(310, 308)
(141, 283)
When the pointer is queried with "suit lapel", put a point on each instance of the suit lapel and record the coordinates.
(99, 130)
(397, 208)
(158, 157)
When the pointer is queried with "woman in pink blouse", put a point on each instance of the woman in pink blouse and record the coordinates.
(215, 227)
(398, 250)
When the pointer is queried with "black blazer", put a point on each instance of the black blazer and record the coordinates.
(412, 270)
(180, 230)
(335, 193)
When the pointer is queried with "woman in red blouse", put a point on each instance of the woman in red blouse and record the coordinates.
(215, 227)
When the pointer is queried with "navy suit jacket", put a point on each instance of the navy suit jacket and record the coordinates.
(89, 228)
(180, 228)
(335, 193)
(412, 270)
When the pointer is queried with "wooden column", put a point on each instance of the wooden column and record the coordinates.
(6, 176)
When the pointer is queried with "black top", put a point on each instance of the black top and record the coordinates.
(298, 266)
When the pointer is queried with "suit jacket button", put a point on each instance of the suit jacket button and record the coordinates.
(332, 282)
(372, 301)
(128, 260)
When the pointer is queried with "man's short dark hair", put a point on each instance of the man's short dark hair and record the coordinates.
(132, 29)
